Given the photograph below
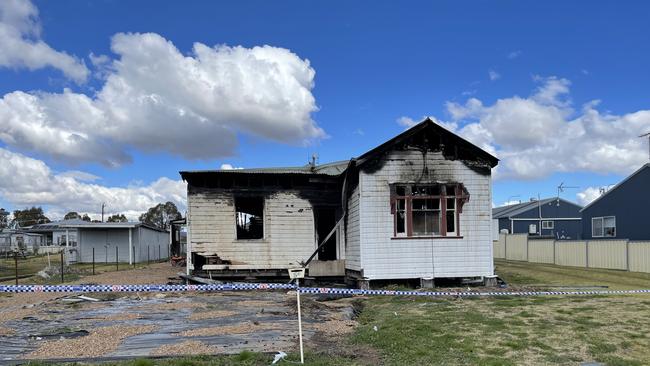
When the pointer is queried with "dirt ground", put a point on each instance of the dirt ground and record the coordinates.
(45, 326)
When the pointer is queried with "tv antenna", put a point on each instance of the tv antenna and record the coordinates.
(648, 135)
(561, 189)
(511, 197)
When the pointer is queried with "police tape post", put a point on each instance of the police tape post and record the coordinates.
(297, 274)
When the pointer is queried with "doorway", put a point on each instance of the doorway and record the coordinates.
(325, 221)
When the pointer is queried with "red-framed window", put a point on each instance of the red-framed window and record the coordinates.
(427, 210)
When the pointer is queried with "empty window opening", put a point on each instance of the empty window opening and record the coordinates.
(249, 216)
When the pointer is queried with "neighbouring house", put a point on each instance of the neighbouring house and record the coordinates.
(18, 239)
(549, 217)
(619, 212)
(131, 242)
(416, 207)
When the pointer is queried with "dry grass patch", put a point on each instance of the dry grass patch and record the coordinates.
(187, 348)
(243, 328)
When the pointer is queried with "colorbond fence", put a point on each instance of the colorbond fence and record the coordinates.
(620, 254)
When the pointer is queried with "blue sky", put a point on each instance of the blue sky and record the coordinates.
(376, 62)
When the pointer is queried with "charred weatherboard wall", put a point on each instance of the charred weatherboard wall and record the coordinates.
(289, 234)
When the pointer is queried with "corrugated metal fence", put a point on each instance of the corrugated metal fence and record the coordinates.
(620, 254)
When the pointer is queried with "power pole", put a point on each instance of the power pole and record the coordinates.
(648, 135)
(103, 205)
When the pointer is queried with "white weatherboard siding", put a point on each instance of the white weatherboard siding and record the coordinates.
(353, 245)
(386, 258)
(289, 235)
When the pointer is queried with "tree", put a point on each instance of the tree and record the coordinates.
(71, 215)
(85, 217)
(117, 218)
(30, 216)
(161, 215)
(3, 218)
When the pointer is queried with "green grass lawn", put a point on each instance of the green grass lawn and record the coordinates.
(533, 274)
(568, 330)
(26, 266)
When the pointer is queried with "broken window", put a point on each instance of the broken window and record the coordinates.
(249, 216)
(427, 210)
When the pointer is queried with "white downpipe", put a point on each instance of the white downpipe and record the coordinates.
(130, 246)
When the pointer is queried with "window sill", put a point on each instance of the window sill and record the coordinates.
(424, 237)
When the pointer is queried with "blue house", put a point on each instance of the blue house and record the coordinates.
(621, 212)
(550, 217)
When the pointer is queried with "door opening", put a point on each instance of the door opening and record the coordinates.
(325, 221)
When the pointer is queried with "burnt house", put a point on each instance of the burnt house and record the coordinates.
(416, 206)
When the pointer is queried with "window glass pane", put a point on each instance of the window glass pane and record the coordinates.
(433, 204)
(433, 223)
(451, 203)
(597, 226)
(609, 224)
(399, 222)
(419, 223)
(426, 222)
(451, 222)
(418, 204)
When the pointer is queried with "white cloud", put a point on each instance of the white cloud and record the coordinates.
(514, 54)
(25, 181)
(511, 202)
(588, 195)
(21, 46)
(226, 166)
(494, 75)
(156, 99)
(407, 122)
(542, 134)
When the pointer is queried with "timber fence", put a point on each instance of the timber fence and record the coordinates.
(621, 254)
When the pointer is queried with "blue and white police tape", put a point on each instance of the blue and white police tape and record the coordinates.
(341, 291)
(303, 290)
(146, 288)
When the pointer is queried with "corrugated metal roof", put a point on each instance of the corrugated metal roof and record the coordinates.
(332, 169)
(77, 223)
(514, 210)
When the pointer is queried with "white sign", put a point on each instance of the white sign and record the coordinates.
(296, 273)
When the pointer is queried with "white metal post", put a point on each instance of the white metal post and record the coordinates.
(302, 358)
(67, 247)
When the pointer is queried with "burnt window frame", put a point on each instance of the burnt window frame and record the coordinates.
(404, 192)
(245, 197)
